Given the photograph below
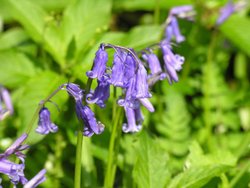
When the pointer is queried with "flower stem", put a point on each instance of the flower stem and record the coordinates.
(78, 165)
(40, 105)
(113, 149)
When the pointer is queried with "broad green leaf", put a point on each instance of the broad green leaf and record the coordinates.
(143, 36)
(15, 68)
(237, 30)
(147, 4)
(12, 38)
(83, 20)
(38, 88)
(39, 25)
(52, 5)
(151, 167)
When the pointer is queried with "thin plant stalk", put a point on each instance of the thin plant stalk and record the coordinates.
(113, 149)
(78, 164)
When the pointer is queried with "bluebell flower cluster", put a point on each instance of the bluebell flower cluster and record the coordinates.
(133, 72)
(6, 107)
(129, 71)
(13, 170)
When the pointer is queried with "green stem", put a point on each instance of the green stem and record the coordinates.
(113, 150)
(78, 165)
(207, 106)
(239, 175)
(40, 105)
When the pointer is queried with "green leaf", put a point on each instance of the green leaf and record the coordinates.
(198, 176)
(151, 167)
(201, 168)
(12, 38)
(83, 20)
(15, 68)
(174, 125)
(38, 88)
(147, 4)
(142, 36)
(237, 30)
(39, 25)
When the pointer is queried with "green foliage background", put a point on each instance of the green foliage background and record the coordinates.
(198, 136)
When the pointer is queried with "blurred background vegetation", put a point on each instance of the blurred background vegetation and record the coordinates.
(198, 135)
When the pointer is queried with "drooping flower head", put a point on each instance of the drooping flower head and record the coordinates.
(16, 148)
(99, 66)
(131, 125)
(75, 91)
(118, 69)
(85, 114)
(36, 180)
(45, 126)
(141, 84)
(129, 68)
(172, 62)
(185, 11)
(225, 12)
(172, 29)
(101, 93)
(12, 170)
(6, 107)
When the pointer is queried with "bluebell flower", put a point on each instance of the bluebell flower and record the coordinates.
(118, 69)
(225, 12)
(6, 107)
(99, 66)
(75, 91)
(141, 84)
(155, 68)
(16, 148)
(129, 68)
(147, 104)
(172, 62)
(101, 93)
(185, 11)
(45, 126)
(138, 116)
(131, 125)
(13, 171)
(85, 114)
(36, 180)
(172, 28)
